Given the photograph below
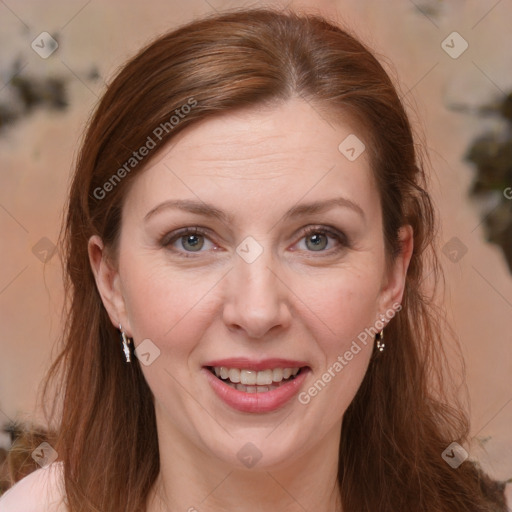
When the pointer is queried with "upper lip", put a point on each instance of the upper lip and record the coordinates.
(245, 363)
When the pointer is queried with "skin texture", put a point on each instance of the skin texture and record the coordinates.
(296, 300)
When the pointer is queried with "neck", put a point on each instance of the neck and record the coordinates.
(191, 480)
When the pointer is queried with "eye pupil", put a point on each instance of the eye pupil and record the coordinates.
(194, 241)
(317, 240)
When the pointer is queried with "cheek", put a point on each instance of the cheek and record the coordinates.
(339, 306)
(343, 309)
(165, 305)
(173, 309)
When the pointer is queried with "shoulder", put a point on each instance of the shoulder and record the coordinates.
(40, 491)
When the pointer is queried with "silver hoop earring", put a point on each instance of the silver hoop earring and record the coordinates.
(378, 341)
(126, 348)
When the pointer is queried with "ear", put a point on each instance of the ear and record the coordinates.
(108, 283)
(393, 286)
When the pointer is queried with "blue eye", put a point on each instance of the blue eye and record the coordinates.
(317, 239)
(187, 241)
(196, 242)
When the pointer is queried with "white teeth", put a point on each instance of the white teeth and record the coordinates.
(248, 377)
(254, 378)
(277, 374)
(264, 378)
(234, 375)
(252, 389)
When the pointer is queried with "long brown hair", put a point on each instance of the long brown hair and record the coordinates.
(400, 421)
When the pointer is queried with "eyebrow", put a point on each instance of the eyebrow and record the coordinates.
(207, 210)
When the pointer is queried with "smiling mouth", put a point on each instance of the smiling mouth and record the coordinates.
(252, 381)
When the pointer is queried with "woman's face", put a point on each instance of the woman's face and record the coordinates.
(286, 270)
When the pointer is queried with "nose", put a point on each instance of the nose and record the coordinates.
(257, 299)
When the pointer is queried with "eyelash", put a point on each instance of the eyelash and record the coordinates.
(340, 238)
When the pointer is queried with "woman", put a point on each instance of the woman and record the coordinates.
(247, 218)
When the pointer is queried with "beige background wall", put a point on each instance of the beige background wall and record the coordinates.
(37, 153)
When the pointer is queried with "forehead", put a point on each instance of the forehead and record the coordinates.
(286, 151)
(264, 134)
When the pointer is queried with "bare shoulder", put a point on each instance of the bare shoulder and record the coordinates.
(40, 491)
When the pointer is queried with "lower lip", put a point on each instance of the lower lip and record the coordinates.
(256, 402)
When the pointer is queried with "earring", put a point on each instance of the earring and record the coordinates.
(379, 337)
(378, 341)
(126, 348)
